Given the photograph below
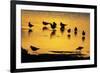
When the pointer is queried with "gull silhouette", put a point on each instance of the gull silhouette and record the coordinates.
(75, 31)
(79, 49)
(62, 25)
(30, 25)
(34, 49)
(69, 30)
(45, 23)
(83, 33)
(53, 25)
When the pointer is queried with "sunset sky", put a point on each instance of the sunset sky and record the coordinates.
(59, 42)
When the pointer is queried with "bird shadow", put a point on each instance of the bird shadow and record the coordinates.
(62, 30)
(45, 28)
(62, 27)
(83, 38)
(30, 31)
(69, 36)
(75, 31)
(53, 33)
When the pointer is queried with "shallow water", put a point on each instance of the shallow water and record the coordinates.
(43, 37)
(58, 41)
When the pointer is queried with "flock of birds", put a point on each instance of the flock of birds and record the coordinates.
(78, 50)
(62, 29)
(53, 26)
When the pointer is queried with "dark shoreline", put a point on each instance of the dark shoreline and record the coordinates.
(25, 58)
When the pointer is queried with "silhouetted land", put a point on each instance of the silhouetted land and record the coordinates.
(50, 57)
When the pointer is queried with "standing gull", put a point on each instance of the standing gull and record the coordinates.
(30, 25)
(34, 49)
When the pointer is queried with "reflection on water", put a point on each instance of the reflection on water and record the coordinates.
(48, 40)
(55, 31)
(62, 27)
(45, 28)
(83, 38)
(30, 31)
(75, 31)
(62, 30)
(69, 36)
